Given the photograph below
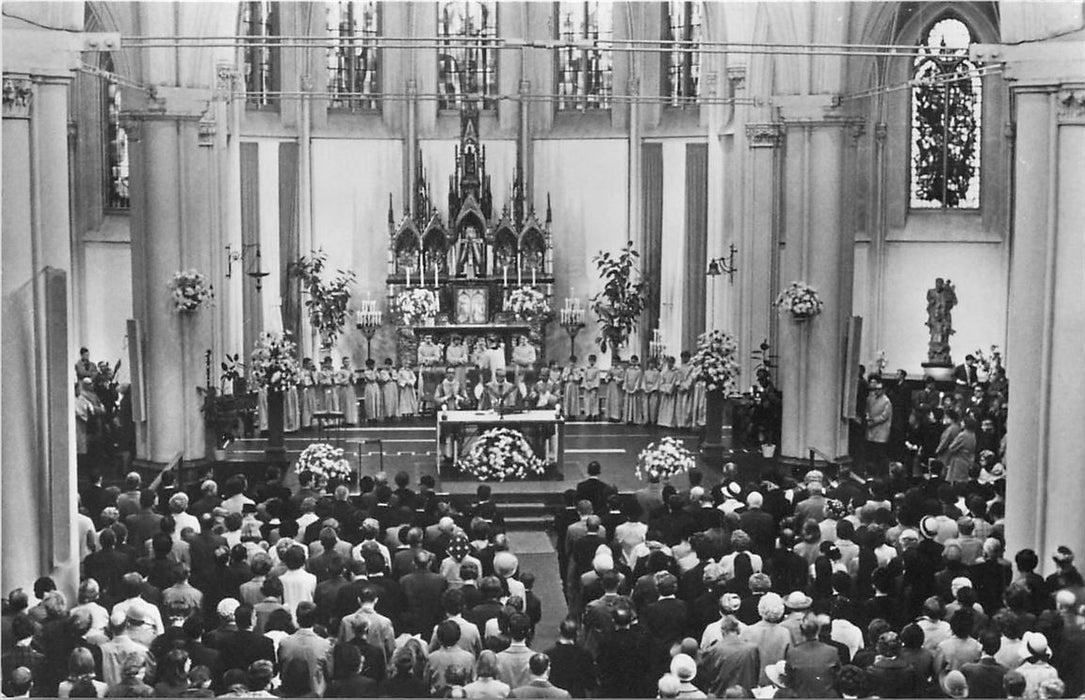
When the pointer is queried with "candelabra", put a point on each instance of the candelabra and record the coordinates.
(368, 319)
(571, 318)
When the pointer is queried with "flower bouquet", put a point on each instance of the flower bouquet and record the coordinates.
(190, 290)
(664, 459)
(715, 361)
(800, 300)
(274, 362)
(499, 454)
(413, 305)
(527, 303)
(324, 462)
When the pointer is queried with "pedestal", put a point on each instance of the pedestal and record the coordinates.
(276, 446)
(716, 406)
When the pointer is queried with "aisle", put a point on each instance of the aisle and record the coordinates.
(536, 554)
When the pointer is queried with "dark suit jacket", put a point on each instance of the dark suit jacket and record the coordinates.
(665, 622)
(622, 660)
(483, 613)
(572, 668)
(422, 601)
(893, 678)
(539, 689)
(353, 687)
(811, 668)
(761, 528)
(985, 678)
(243, 647)
(595, 490)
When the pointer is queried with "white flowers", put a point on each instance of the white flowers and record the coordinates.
(413, 305)
(715, 360)
(800, 300)
(274, 362)
(190, 290)
(527, 302)
(664, 459)
(324, 462)
(500, 454)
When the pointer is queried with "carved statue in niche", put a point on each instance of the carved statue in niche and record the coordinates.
(505, 255)
(470, 259)
(533, 258)
(940, 302)
(435, 255)
(407, 255)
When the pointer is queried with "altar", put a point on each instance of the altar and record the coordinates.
(475, 264)
(463, 425)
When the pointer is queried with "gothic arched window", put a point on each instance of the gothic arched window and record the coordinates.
(353, 59)
(586, 70)
(947, 103)
(682, 76)
(467, 57)
(115, 142)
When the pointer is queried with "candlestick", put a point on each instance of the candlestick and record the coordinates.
(505, 275)
(533, 277)
(408, 277)
(519, 274)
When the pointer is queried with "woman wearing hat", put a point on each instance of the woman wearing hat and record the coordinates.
(684, 668)
(1036, 668)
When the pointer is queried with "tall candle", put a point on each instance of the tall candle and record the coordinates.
(532, 277)
(505, 275)
(408, 277)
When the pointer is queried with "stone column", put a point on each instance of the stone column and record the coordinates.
(1046, 484)
(38, 352)
(172, 160)
(817, 248)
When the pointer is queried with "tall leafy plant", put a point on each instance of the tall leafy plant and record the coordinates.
(326, 301)
(619, 306)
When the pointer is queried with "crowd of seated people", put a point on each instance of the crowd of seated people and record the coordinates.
(824, 587)
(244, 590)
(828, 586)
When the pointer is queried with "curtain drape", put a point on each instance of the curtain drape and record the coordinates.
(652, 221)
(695, 300)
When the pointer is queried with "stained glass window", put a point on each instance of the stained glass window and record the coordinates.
(585, 75)
(259, 23)
(353, 61)
(947, 104)
(115, 143)
(682, 75)
(467, 58)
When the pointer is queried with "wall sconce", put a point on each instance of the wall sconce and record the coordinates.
(724, 265)
(239, 255)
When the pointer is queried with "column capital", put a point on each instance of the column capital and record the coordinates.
(736, 74)
(1071, 105)
(18, 96)
(172, 103)
(766, 135)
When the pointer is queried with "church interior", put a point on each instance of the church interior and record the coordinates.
(188, 183)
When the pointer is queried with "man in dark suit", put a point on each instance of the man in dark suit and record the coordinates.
(107, 566)
(665, 623)
(422, 591)
(594, 489)
(891, 676)
(245, 646)
(490, 607)
(485, 508)
(571, 666)
(144, 524)
(758, 524)
(623, 658)
(964, 377)
(985, 676)
(812, 665)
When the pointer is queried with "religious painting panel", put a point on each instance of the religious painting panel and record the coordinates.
(472, 305)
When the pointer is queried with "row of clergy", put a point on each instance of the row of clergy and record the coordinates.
(671, 396)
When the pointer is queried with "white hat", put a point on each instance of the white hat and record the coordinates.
(684, 667)
(227, 607)
(1036, 643)
(777, 673)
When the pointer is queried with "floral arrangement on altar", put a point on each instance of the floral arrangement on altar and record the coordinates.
(800, 300)
(190, 290)
(413, 305)
(664, 459)
(527, 303)
(499, 454)
(324, 462)
(274, 362)
(715, 360)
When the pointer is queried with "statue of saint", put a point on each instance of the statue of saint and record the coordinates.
(407, 257)
(470, 262)
(505, 256)
(940, 302)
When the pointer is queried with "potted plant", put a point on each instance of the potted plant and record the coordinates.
(716, 364)
(619, 306)
(233, 375)
(326, 301)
